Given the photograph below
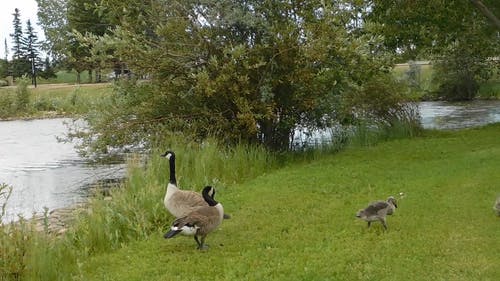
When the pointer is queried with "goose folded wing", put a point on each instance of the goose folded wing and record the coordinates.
(375, 207)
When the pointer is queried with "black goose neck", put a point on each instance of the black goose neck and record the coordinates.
(171, 159)
(209, 198)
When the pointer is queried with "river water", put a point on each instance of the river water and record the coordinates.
(457, 115)
(46, 173)
(42, 171)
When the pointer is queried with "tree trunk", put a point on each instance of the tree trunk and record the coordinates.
(275, 138)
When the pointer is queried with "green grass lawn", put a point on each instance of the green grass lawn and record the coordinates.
(298, 222)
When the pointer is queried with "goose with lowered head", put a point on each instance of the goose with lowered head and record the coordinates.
(377, 211)
(200, 222)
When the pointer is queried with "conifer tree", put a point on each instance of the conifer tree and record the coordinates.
(20, 63)
(17, 36)
(30, 48)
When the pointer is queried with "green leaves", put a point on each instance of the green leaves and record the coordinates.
(251, 70)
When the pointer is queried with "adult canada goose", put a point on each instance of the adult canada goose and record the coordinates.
(496, 207)
(180, 202)
(201, 221)
(377, 211)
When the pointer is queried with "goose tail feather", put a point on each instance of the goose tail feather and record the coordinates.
(172, 233)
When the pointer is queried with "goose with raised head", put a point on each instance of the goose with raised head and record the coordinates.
(200, 222)
(377, 211)
(177, 201)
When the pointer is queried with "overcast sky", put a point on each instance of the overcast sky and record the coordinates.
(28, 10)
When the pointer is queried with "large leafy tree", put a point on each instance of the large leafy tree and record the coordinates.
(52, 16)
(84, 18)
(240, 70)
(454, 34)
(64, 21)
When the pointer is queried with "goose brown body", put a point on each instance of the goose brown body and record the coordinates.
(200, 222)
(180, 202)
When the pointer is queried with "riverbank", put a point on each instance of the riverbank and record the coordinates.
(50, 100)
(297, 222)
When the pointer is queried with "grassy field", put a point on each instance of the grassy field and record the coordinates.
(298, 222)
(292, 220)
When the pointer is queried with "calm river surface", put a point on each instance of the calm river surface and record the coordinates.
(42, 171)
(458, 115)
(46, 173)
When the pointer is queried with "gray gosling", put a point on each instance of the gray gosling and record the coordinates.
(201, 221)
(377, 211)
(496, 207)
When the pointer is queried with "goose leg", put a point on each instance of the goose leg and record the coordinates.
(202, 245)
(384, 223)
(369, 224)
(197, 241)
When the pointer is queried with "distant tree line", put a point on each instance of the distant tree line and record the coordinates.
(26, 58)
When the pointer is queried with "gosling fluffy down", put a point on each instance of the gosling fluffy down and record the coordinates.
(201, 221)
(377, 211)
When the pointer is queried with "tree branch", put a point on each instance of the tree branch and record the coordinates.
(487, 13)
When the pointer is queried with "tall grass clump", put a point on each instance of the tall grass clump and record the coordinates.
(28, 254)
(7, 104)
(137, 209)
(22, 95)
(382, 110)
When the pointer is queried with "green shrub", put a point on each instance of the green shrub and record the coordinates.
(44, 104)
(7, 104)
(22, 95)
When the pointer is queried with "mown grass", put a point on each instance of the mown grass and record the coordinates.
(289, 222)
(298, 223)
(63, 76)
(50, 100)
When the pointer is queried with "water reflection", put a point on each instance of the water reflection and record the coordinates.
(439, 115)
(42, 171)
